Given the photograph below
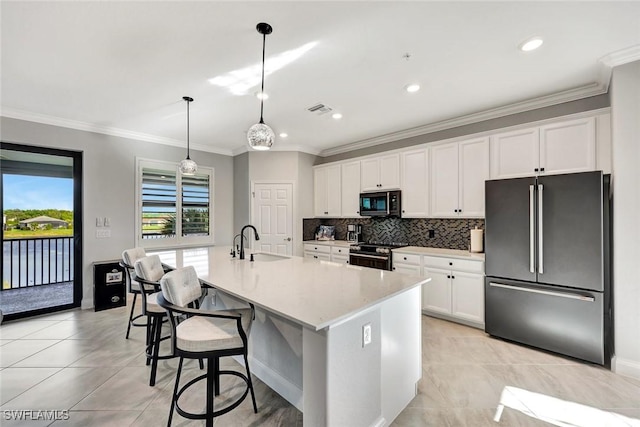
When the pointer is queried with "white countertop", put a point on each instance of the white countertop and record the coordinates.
(447, 253)
(316, 294)
(341, 243)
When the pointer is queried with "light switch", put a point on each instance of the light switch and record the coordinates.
(99, 222)
(107, 221)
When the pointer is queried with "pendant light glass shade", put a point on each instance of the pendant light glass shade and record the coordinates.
(260, 135)
(188, 166)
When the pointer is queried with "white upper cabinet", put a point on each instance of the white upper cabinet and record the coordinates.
(380, 173)
(444, 180)
(473, 171)
(458, 173)
(563, 147)
(351, 189)
(327, 191)
(568, 147)
(447, 180)
(415, 183)
(515, 153)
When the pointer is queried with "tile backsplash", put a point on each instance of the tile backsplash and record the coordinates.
(450, 233)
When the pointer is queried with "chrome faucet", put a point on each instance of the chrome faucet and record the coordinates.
(255, 234)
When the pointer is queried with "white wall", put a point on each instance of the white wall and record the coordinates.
(625, 125)
(286, 166)
(109, 185)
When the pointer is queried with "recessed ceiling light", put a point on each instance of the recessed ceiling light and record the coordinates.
(411, 88)
(284, 135)
(531, 44)
(262, 95)
(337, 116)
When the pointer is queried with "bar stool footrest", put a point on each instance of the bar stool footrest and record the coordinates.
(202, 416)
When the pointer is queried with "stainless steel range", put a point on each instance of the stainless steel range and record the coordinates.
(373, 254)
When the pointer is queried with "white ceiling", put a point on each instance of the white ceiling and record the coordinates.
(122, 67)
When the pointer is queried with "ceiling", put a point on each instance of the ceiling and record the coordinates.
(122, 68)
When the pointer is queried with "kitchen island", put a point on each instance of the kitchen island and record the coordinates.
(341, 343)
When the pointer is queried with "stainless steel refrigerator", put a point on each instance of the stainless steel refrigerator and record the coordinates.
(548, 279)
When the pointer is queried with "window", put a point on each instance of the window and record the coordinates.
(173, 209)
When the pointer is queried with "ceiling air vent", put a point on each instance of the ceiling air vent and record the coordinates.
(319, 109)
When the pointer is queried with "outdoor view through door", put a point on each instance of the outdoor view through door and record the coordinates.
(41, 230)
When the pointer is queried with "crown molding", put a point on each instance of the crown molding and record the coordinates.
(621, 57)
(106, 130)
(585, 91)
(279, 147)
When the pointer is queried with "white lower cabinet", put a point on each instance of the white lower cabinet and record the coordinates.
(317, 251)
(407, 263)
(436, 295)
(340, 254)
(456, 289)
(327, 252)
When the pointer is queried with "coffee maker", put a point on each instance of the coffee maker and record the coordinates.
(354, 231)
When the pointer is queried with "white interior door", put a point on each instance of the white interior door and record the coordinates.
(272, 215)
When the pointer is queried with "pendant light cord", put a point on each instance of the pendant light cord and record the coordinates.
(188, 158)
(264, 41)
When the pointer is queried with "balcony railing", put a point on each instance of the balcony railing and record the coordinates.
(36, 261)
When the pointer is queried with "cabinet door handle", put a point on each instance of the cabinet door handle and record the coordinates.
(450, 263)
(541, 169)
(448, 277)
(540, 233)
(405, 258)
(532, 229)
(453, 277)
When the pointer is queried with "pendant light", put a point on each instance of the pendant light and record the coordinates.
(188, 166)
(260, 135)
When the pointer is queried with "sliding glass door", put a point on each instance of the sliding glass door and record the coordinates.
(41, 201)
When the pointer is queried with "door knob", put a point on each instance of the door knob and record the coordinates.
(288, 239)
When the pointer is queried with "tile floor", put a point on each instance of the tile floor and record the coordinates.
(79, 361)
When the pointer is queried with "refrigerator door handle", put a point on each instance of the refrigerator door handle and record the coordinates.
(540, 232)
(532, 230)
(544, 292)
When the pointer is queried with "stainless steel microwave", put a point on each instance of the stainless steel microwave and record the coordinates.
(384, 203)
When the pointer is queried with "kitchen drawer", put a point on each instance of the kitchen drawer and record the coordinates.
(407, 268)
(454, 264)
(406, 258)
(342, 259)
(339, 250)
(317, 255)
(317, 248)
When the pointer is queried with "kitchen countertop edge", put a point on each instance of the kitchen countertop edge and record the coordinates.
(441, 252)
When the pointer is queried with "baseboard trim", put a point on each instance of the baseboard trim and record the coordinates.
(285, 388)
(626, 367)
(453, 319)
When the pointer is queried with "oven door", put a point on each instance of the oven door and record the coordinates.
(381, 262)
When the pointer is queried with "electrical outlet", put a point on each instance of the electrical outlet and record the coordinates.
(103, 233)
(366, 334)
